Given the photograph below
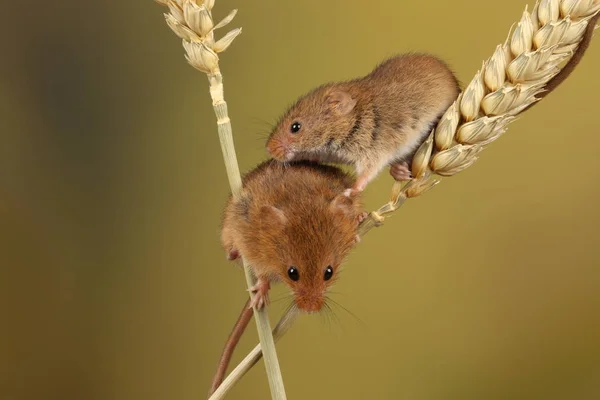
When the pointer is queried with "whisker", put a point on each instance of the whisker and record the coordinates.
(360, 321)
(326, 312)
(261, 135)
(261, 121)
(281, 298)
(337, 293)
(334, 316)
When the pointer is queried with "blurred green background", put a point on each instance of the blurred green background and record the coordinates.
(113, 284)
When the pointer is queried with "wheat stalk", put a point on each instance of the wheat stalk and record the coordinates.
(192, 21)
(508, 83)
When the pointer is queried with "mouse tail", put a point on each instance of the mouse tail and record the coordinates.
(230, 345)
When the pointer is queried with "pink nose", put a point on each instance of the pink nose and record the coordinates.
(310, 305)
(277, 150)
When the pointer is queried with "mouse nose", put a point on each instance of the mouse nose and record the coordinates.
(310, 304)
(279, 150)
(275, 149)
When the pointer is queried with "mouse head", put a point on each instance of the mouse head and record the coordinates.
(311, 123)
(308, 246)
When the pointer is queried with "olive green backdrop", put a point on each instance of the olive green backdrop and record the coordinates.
(113, 284)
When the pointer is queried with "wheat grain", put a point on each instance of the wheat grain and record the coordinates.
(192, 21)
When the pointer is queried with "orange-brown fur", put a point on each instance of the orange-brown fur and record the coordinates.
(380, 119)
(318, 227)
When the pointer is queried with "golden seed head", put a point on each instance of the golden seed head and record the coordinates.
(201, 57)
(476, 131)
(521, 67)
(421, 157)
(495, 69)
(223, 43)
(455, 159)
(471, 99)
(176, 11)
(535, 21)
(575, 31)
(521, 38)
(181, 30)
(192, 21)
(527, 90)
(446, 128)
(499, 101)
(198, 18)
(579, 8)
(549, 11)
(568, 7)
(508, 55)
(420, 186)
(483, 130)
(550, 34)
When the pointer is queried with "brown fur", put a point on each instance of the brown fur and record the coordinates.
(370, 122)
(287, 215)
(293, 215)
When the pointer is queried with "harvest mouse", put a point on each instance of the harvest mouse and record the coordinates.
(370, 122)
(291, 223)
(382, 118)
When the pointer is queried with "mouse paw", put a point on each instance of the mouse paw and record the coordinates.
(361, 217)
(261, 293)
(233, 254)
(401, 172)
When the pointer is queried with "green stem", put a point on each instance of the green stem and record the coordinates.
(267, 343)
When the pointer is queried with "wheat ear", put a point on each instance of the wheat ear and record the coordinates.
(509, 82)
(192, 21)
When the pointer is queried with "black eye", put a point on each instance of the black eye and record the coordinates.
(295, 127)
(293, 273)
(328, 273)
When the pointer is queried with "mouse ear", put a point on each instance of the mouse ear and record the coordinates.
(341, 102)
(342, 204)
(272, 217)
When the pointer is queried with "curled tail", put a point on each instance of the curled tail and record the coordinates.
(232, 341)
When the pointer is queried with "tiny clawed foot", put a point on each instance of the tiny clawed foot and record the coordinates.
(361, 217)
(233, 254)
(401, 172)
(261, 294)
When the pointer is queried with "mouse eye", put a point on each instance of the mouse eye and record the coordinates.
(328, 273)
(295, 127)
(293, 273)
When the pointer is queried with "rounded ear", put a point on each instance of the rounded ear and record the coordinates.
(340, 102)
(272, 217)
(342, 204)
